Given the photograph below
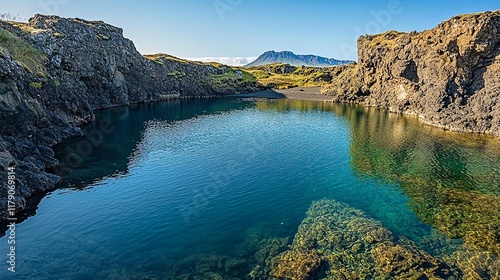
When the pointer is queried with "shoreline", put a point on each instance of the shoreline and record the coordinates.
(296, 93)
(313, 94)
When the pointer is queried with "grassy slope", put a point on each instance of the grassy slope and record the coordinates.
(276, 75)
(29, 57)
(283, 76)
(224, 78)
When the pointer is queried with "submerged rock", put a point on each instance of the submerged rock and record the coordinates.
(476, 264)
(336, 241)
(299, 263)
(453, 189)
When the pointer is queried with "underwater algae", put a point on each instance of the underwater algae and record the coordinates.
(452, 180)
(345, 243)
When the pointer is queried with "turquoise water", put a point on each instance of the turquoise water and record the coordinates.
(192, 188)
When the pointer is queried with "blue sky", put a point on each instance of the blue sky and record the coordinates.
(247, 28)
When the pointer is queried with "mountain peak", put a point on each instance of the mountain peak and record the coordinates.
(289, 57)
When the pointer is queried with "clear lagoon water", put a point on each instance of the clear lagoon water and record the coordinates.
(192, 188)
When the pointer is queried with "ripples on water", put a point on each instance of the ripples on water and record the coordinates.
(218, 188)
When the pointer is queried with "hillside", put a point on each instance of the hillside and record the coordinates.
(283, 76)
(286, 57)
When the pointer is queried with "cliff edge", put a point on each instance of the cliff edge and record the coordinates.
(55, 71)
(449, 76)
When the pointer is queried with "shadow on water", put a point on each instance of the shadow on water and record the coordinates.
(451, 180)
(108, 144)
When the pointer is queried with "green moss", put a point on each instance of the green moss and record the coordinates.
(57, 83)
(36, 85)
(102, 37)
(215, 64)
(29, 57)
(232, 79)
(161, 58)
(58, 35)
(23, 26)
(387, 39)
(176, 74)
(159, 62)
(247, 77)
(259, 74)
(234, 75)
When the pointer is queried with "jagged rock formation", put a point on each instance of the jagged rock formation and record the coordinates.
(449, 76)
(54, 72)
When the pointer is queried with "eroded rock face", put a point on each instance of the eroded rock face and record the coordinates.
(80, 66)
(449, 76)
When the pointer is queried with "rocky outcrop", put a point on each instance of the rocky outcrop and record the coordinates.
(54, 72)
(448, 76)
(336, 241)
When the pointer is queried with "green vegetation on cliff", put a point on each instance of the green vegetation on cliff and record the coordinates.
(29, 57)
(275, 75)
(160, 57)
(387, 39)
(346, 84)
(231, 79)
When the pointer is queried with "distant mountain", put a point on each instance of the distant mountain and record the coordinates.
(296, 60)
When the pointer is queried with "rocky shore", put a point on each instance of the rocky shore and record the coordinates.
(55, 71)
(448, 76)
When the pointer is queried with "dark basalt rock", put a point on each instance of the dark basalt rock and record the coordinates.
(83, 66)
(449, 76)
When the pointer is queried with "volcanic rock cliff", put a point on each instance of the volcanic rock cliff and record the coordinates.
(54, 72)
(448, 76)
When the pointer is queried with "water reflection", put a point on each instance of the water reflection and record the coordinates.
(452, 180)
(108, 144)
